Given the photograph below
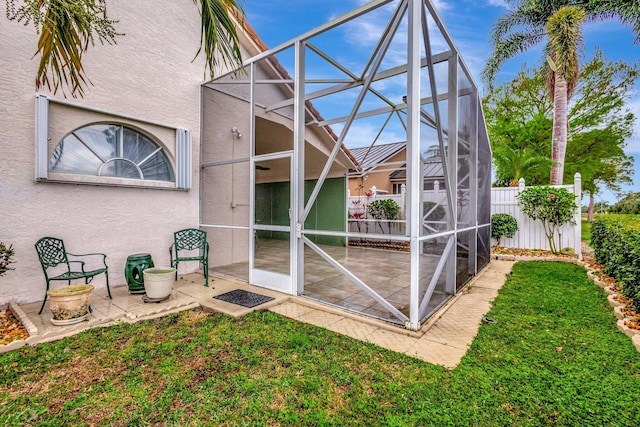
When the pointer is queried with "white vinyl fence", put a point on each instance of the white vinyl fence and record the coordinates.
(530, 234)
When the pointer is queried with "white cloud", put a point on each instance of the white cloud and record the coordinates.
(362, 134)
(498, 3)
(441, 4)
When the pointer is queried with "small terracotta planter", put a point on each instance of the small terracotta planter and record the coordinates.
(158, 282)
(69, 304)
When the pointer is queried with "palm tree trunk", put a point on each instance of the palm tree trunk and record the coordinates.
(559, 139)
(592, 203)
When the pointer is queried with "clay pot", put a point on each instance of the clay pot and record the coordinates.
(69, 304)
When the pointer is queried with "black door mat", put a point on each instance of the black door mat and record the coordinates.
(244, 298)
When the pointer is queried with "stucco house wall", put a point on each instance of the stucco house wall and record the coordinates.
(150, 75)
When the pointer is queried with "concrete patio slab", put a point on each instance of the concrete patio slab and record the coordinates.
(291, 310)
(437, 353)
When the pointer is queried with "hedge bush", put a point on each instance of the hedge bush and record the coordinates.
(384, 209)
(503, 225)
(617, 248)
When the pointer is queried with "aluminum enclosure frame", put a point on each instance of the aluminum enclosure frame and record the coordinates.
(449, 119)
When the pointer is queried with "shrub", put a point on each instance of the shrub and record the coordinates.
(433, 211)
(6, 258)
(384, 209)
(554, 207)
(503, 225)
(617, 248)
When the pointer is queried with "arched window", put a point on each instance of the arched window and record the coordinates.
(111, 150)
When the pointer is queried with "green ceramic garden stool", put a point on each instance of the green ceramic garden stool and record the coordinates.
(133, 269)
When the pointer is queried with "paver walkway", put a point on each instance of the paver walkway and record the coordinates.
(443, 340)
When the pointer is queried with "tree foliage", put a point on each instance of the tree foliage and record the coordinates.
(519, 115)
(67, 28)
(557, 24)
(554, 207)
(629, 204)
(523, 26)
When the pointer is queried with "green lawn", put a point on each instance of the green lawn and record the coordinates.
(629, 221)
(554, 358)
(586, 231)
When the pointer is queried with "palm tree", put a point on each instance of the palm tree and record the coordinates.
(68, 27)
(558, 22)
(513, 164)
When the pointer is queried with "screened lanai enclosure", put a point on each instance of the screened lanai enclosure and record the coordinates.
(276, 165)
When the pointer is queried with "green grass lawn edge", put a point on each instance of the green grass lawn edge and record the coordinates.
(554, 357)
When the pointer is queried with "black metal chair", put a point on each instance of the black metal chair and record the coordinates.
(52, 254)
(190, 239)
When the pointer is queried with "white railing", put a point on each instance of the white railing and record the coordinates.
(358, 204)
(530, 234)
(378, 226)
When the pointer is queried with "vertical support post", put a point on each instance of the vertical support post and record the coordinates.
(414, 161)
(520, 217)
(473, 181)
(252, 172)
(297, 184)
(347, 204)
(403, 199)
(577, 191)
(452, 146)
(201, 156)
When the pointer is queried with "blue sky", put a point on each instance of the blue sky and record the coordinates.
(468, 22)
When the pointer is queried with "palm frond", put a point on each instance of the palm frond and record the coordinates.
(625, 11)
(506, 49)
(66, 28)
(518, 18)
(219, 38)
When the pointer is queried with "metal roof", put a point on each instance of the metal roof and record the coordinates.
(369, 156)
(432, 169)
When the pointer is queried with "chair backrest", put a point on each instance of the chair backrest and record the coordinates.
(189, 239)
(51, 252)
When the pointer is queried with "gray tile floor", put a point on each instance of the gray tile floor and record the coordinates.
(387, 272)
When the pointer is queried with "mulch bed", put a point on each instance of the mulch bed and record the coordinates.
(394, 246)
(530, 252)
(10, 328)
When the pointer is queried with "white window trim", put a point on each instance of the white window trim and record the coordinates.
(183, 150)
